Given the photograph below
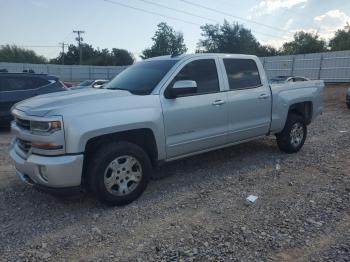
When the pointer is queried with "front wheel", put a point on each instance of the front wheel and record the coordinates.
(293, 135)
(118, 173)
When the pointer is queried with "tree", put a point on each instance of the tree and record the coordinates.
(304, 43)
(17, 54)
(341, 40)
(122, 57)
(231, 38)
(92, 56)
(267, 50)
(165, 42)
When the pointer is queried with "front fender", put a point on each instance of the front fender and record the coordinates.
(80, 130)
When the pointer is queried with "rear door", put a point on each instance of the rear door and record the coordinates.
(249, 100)
(198, 121)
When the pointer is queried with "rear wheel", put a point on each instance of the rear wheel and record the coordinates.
(293, 135)
(348, 104)
(119, 173)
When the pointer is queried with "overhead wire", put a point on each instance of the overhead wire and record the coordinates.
(175, 18)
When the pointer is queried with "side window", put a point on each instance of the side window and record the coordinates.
(3, 84)
(39, 82)
(203, 72)
(17, 83)
(242, 73)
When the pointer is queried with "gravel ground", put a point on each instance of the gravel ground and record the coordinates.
(196, 210)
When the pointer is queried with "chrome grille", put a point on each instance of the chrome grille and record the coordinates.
(25, 124)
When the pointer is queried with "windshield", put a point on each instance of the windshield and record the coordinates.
(143, 77)
(86, 83)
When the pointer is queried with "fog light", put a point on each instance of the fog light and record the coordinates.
(42, 173)
(46, 146)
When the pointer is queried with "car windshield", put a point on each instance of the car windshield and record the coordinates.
(86, 83)
(141, 78)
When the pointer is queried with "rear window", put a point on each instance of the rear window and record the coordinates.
(242, 73)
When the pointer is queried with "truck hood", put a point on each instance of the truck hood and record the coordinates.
(55, 103)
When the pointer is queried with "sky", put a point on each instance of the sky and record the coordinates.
(130, 24)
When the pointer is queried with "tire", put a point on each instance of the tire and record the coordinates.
(115, 181)
(293, 135)
(348, 105)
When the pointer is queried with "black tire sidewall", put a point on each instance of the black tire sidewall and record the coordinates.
(103, 158)
(284, 138)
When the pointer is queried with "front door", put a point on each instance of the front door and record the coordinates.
(196, 122)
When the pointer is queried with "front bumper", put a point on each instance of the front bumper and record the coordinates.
(52, 172)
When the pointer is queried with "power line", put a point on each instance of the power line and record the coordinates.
(56, 46)
(198, 16)
(150, 12)
(234, 16)
(176, 10)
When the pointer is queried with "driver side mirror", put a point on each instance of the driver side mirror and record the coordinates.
(183, 87)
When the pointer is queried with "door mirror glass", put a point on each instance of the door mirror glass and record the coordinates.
(183, 87)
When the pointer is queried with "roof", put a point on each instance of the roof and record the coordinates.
(187, 56)
(30, 74)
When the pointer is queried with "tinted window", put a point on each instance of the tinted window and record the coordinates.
(299, 79)
(203, 72)
(11, 83)
(86, 83)
(142, 77)
(242, 73)
(39, 82)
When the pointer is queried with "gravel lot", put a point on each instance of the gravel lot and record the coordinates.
(196, 210)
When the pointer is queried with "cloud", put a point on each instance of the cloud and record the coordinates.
(330, 22)
(39, 4)
(288, 24)
(324, 25)
(269, 6)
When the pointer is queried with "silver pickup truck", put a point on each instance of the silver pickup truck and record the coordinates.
(157, 110)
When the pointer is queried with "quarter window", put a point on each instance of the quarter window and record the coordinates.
(204, 73)
(242, 73)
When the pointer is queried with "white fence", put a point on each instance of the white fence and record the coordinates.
(73, 73)
(328, 66)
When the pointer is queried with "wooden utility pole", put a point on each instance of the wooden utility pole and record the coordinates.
(63, 45)
(79, 39)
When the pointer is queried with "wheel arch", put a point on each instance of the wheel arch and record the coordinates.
(143, 137)
(303, 109)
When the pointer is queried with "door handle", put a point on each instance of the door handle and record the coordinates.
(218, 102)
(263, 96)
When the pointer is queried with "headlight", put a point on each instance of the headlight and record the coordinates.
(39, 126)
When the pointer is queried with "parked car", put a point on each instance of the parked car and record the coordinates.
(348, 98)
(15, 87)
(99, 83)
(68, 84)
(156, 111)
(286, 79)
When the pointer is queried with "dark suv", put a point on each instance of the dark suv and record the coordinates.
(15, 87)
